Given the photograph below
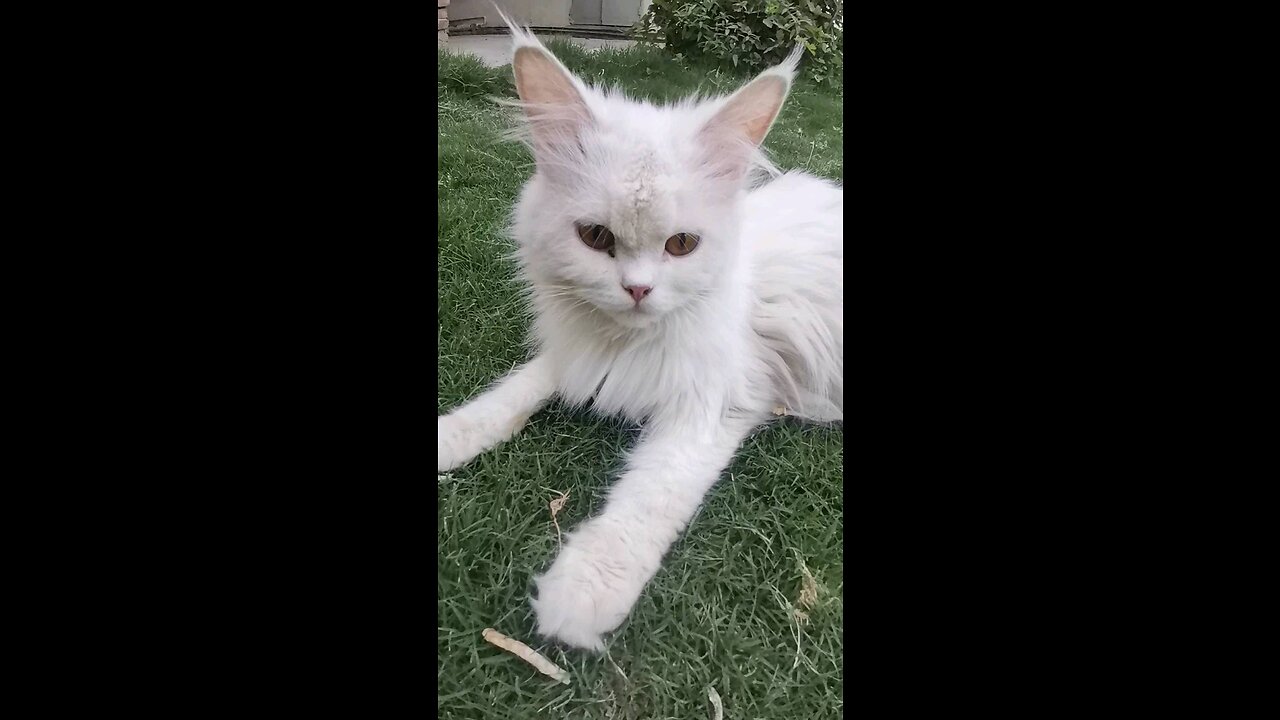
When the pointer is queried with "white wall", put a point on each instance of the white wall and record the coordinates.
(622, 12)
(544, 13)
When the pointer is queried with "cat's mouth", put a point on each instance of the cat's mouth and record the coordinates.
(635, 317)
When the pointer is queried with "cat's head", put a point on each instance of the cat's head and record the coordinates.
(634, 208)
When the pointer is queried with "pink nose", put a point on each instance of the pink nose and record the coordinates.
(637, 291)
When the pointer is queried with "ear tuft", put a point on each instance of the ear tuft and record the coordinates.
(790, 63)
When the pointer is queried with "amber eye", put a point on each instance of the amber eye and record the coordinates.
(597, 237)
(682, 243)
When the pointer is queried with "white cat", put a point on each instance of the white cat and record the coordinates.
(669, 291)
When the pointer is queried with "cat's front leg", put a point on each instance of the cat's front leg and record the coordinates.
(606, 562)
(495, 416)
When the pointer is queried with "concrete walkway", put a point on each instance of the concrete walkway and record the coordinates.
(495, 50)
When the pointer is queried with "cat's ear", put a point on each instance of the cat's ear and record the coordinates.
(741, 122)
(542, 82)
(552, 100)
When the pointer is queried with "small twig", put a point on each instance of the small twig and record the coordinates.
(609, 656)
(526, 653)
(796, 664)
(556, 506)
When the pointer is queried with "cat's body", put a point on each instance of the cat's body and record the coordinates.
(774, 338)
(698, 345)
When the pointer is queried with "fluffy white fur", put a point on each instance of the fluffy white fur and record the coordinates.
(752, 319)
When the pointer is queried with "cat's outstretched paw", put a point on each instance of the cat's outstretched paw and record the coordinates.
(454, 442)
(446, 458)
(591, 586)
(462, 436)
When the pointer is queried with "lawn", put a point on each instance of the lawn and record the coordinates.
(723, 611)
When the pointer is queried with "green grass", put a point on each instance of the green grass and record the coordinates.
(719, 612)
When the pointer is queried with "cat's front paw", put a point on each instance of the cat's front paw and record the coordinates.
(451, 443)
(592, 585)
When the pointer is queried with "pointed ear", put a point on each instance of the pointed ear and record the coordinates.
(750, 112)
(541, 79)
(552, 101)
(739, 126)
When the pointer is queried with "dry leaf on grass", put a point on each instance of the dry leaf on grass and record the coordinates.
(716, 707)
(808, 596)
(808, 589)
(556, 506)
(526, 653)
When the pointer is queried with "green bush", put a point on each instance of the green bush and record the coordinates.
(751, 34)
